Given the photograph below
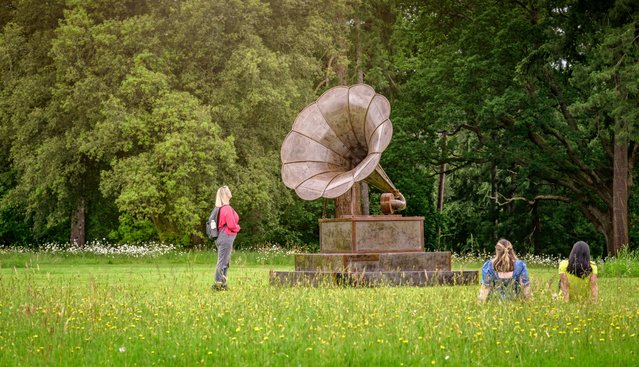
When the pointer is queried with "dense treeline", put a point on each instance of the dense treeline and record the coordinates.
(535, 106)
(120, 118)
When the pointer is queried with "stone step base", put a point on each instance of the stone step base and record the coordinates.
(374, 279)
(374, 262)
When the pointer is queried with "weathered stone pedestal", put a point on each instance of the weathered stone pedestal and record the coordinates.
(373, 251)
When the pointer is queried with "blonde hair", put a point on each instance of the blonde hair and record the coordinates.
(504, 260)
(223, 196)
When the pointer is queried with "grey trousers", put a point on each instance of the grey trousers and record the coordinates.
(224, 245)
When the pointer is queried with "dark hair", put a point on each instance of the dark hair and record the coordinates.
(579, 260)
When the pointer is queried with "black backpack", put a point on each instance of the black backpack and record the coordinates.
(211, 225)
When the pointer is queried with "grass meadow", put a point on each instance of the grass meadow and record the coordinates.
(100, 310)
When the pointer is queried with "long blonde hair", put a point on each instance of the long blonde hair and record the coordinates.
(504, 260)
(223, 196)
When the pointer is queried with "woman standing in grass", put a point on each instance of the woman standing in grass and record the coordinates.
(504, 277)
(228, 227)
(578, 275)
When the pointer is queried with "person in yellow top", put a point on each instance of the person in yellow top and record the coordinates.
(578, 275)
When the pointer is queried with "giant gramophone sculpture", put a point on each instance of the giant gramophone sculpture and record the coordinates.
(335, 143)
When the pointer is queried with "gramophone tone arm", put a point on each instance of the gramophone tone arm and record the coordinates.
(391, 203)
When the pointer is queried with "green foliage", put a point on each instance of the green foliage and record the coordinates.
(136, 111)
(299, 223)
(14, 227)
(168, 174)
(132, 230)
(633, 208)
(417, 186)
(625, 264)
(530, 96)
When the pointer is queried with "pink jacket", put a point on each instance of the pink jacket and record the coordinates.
(228, 216)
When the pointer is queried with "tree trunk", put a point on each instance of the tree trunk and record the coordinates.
(360, 79)
(324, 207)
(619, 197)
(78, 221)
(536, 230)
(494, 210)
(441, 185)
(358, 51)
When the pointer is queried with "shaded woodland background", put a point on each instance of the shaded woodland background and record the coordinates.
(120, 118)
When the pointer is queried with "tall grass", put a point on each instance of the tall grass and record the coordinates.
(625, 264)
(62, 311)
(130, 254)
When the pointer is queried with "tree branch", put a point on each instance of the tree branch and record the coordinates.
(598, 218)
(605, 142)
(563, 107)
(570, 184)
(474, 129)
(530, 201)
(326, 79)
(454, 168)
(590, 174)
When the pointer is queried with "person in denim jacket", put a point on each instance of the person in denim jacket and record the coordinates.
(504, 277)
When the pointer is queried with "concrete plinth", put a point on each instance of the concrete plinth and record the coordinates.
(374, 279)
(389, 233)
(374, 269)
(374, 262)
(373, 251)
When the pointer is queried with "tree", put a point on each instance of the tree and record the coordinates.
(89, 87)
(517, 87)
(28, 28)
(611, 75)
(591, 79)
(168, 155)
(257, 65)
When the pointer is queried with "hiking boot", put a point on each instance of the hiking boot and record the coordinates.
(219, 287)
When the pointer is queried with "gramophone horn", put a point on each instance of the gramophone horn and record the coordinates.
(337, 141)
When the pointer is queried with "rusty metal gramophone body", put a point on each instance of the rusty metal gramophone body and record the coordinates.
(336, 142)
